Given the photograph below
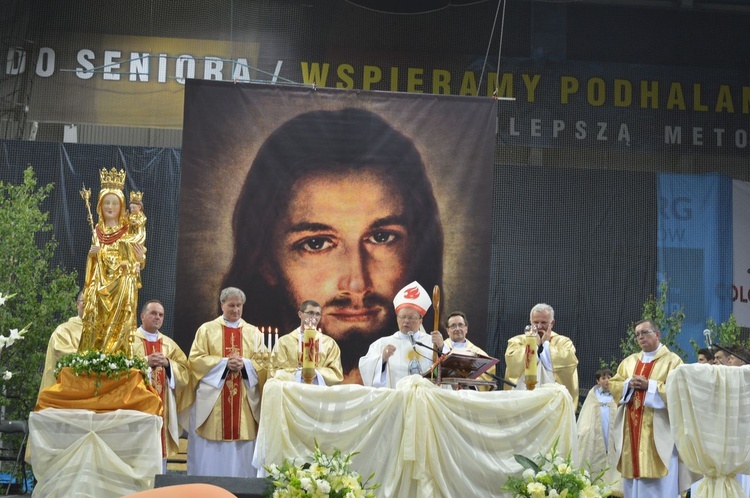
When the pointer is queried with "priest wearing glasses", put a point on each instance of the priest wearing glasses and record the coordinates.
(287, 352)
(409, 350)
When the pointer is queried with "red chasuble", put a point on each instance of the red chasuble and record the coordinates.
(231, 394)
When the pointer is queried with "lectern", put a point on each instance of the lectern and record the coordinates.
(461, 369)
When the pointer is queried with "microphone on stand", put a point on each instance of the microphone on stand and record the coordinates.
(411, 337)
(429, 347)
(707, 336)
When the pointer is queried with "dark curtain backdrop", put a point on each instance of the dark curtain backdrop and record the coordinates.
(153, 171)
(582, 241)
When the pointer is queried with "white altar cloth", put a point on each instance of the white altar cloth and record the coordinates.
(419, 440)
(83, 453)
(709, 415)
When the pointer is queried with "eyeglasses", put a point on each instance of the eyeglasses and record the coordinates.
(643, 332)
(456, 326)
(408, 318)
(312, 313)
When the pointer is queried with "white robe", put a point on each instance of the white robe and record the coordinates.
(397, 367)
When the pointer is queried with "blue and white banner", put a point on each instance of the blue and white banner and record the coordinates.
(741, 254)
(695, 249)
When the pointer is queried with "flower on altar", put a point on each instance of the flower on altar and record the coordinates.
(552, 476)
(96, 363)
(14, 336)
(324, 476)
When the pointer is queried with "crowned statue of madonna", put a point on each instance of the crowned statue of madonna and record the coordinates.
(113, 267)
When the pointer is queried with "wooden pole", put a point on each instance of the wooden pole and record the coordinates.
(436, 322)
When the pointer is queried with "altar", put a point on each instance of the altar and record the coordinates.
(418, 439)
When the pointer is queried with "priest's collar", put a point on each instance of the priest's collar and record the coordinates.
(648, 357)
(150, 337)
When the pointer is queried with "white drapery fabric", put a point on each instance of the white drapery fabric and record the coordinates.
(709, 415)
(83, 453)
(419, 440)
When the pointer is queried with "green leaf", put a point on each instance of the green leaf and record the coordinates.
(527, 463)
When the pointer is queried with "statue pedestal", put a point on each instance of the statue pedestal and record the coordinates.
(91, 435)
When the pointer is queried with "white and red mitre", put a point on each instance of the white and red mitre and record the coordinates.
(413, 296)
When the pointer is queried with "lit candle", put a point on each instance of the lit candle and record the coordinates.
(269, 339)
(276, 336)
(308, 359)
(530, 369)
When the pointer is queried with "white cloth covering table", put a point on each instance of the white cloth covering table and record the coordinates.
(83, 453)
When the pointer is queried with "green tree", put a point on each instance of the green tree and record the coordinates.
(44, 294)
(725, 334)
(669, 326)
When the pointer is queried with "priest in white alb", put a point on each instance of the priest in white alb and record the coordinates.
(408, 351)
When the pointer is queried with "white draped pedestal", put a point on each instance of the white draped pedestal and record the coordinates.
(709, 413)
(83, 453)
(418, 439)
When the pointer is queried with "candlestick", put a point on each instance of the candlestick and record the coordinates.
(530, 369)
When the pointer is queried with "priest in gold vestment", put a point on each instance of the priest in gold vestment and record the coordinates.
(647, 456)
(169, 373)
(287, 352)
(557, 354)
(228, 381)
(64, 340)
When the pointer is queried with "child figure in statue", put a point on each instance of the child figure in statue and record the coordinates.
(113, 268)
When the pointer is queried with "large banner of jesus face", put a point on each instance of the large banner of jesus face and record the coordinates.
(342, 197)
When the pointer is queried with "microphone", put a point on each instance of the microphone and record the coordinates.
(411, 337)
(429, 347)
(707, 336)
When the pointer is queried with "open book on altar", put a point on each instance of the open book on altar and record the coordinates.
(461, 364)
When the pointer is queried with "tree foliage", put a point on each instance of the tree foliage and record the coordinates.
(725, 334)
(44, 294)
(669, 325)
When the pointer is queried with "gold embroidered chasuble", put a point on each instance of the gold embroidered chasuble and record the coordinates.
(64, 340)
(643, 434)
(564, 362)
(287, 354)
(230, 412)
(172, 399)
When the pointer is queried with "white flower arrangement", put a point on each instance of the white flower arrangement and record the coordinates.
(14, 336)
(96, 363)
(552, 476)
(325, 476)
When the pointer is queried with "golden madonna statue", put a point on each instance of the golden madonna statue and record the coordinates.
(113, 267)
